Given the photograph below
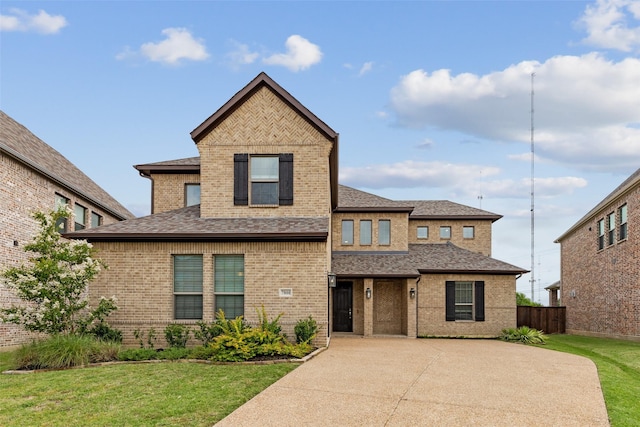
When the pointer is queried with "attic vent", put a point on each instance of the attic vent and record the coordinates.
(285, 292)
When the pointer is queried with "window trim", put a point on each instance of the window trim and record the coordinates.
(418, 228)
(98, 216)
(611, 220)
(242, 183)
(387, 233)
(443, 228)
(217, 293)
(188, 185)
(600, 226)
(473, 232)
(624, 224)
(269, 180)
(57, 205)
(77, 226)
(364, 223)
(178, 294)
(344, 242)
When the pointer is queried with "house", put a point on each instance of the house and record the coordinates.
(600, 266)
(35, 177)
(259, 220)
(554, 297)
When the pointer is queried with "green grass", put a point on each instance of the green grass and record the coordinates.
(618, 365)
(159, 394)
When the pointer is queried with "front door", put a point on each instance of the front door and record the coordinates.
(343, 307)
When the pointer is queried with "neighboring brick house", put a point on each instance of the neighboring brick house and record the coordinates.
(35, 177)
(600, 266)
(258, 219)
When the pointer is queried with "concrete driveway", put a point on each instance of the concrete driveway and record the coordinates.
(430, 382)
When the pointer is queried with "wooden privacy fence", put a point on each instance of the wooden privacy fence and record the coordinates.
(551, 320)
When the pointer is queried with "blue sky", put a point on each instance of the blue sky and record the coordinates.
(432, 100)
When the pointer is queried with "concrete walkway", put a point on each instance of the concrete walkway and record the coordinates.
(430, 382)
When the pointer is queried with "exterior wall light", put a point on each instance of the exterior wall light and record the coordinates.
(331, 278)
(368, 293)
(412, 293)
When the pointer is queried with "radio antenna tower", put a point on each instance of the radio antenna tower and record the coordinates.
(532, 198)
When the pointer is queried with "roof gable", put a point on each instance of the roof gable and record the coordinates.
(18, 142)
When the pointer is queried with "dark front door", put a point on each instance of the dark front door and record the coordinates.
(343, 307)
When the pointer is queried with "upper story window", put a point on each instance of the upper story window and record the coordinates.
(445, 232)
(267, 178)
(96, 220)
(61, 224)
(468, 232)
(347, 232)
(264, 180)
(423, 232)
(187, 286)
(601, 234)
(384, 232)
(80, 217)
(612, 228)
(191, 194)
(623, 222)
(365, 232)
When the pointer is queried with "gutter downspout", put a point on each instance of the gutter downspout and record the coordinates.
(145, 175)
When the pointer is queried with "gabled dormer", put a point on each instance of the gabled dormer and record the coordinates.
(264, 154)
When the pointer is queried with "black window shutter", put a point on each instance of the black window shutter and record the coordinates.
(451, 301)
(241, 179)
(479, 301)
(286, 179)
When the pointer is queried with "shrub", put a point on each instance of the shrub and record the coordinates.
(524, 334)
(176, 335)
(137, 354)
(104, 332)
(306, 330)
(64, 351)
(151, 337)
(207, 332)
(201, 352)
(269, 325)
(174, 353)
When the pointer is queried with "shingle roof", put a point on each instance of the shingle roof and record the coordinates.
(352, 200)
(18, 142)
(189, 164)
(421, 258)
(185, 224)
(432, 209)
(628, 184)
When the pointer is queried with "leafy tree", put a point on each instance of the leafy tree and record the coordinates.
(521, 299)
(53, 284)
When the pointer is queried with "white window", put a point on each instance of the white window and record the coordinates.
(464, 300)
(423, 232)
(612, 228)
(623, 222)
(229, 285)
(468, 232)
(445, 232)
(264, 180)
(365, 232)
(384, 232)
(187, 286)
(601, 234)
(347, 232)
(96, 220)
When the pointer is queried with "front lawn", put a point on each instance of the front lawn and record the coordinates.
(159, 394)
(618, 363)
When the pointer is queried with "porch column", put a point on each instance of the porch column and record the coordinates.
(368, 307)
(412, 308)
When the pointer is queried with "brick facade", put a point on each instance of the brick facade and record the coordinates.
(601, 287)
(500, 306)
(398, 233)
(140, 276)
(481, 242)
(25, 191)
(169, 191)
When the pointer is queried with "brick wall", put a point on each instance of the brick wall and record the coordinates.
(601, 288)
(264, 124)
(500, 306)
(140, 277)
(24, 191)
(399, 223)
(481, 243)
(169, 190)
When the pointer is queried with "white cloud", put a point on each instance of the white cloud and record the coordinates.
(608, 24)
(461, 180)
(178, 45)
(366, 67)
(241, 55)
(425, 144)
(300, 55)
(582, 104)
(43, 23)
